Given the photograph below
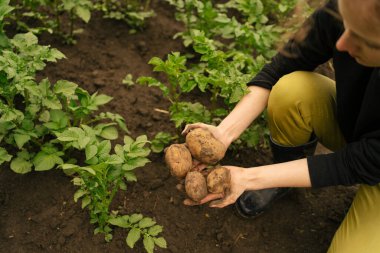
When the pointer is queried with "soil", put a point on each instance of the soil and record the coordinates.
(37, 211)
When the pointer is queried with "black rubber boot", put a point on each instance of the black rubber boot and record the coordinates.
(253, 203)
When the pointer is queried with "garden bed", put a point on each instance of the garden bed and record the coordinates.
(37, 210)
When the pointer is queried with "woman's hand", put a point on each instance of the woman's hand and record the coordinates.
(219, 200)
(215, 131)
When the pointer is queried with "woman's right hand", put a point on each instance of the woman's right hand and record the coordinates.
(214, 130)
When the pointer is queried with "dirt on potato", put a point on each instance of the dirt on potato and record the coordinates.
(195, 185)
(219, 180)
(178, 159)
(204, 147)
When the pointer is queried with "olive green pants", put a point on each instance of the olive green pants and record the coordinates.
(303, 103)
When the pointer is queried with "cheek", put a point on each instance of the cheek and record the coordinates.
(370, 58)
(375, 58)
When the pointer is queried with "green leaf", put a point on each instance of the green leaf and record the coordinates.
(86, 201)
(89, 170)
(236, 95)
(135, 218)
(84, 13)
(130, 176)
(82, 142)
(78, 194)
(160, 242)
(121, 221)
(21, 166)
(44, 116)
(57, 54)
(127, 142)
(156, 61)
(123, 186)
(102, 99)
(148, 244)
(108, 237)
(152, 82)
(65, 87)
(128, 80)
(142, 139)
(155, 230)
(93, 161)
(52, 103)
(114, 159)
(70, 134)
(135, 163)
(21, 139)
(104, 147)
(4, 156)
(161, 140)
(90, 151)
(68, 166)
(133, 236)
(109, 133)
(43, 161)
(146, 222)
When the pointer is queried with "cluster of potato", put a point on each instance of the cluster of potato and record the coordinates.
(201, 145)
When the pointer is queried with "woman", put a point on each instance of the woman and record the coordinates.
(304, 107)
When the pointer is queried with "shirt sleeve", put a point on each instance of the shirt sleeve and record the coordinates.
(357, 163)
(315, 49)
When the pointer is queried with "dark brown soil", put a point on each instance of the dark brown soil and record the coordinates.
(37, 211)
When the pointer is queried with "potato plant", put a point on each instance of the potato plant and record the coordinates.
(160, 141)
(103, 174)
(230, 49)
(223, 75)
(133, 12)
(181, 81)
(50, 16)
(250, 32)
(43, 124)
(4, 10)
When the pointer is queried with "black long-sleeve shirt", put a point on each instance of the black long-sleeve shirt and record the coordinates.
(358, 102)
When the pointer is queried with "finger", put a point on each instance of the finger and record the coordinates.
(189, 127)
(222, 202)
(200, 167)
(209, 197)
(189, 202)
(196, 162)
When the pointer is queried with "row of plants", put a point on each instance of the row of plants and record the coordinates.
(43, 125)
(61, 16)
(228, 43)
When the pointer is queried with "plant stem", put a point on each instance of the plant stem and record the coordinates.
(58, 22)
(147, 5)
(71, 23)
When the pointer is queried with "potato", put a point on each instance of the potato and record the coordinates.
(178, 159)
(204, 147)
(218, 180)
(195, 185)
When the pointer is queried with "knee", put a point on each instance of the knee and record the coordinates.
(287, 93)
